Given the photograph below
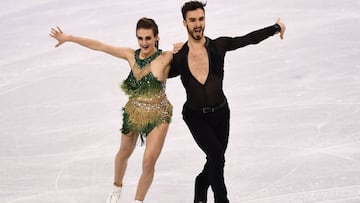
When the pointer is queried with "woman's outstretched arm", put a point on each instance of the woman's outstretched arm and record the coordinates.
(61, 37)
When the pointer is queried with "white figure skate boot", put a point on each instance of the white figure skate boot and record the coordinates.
(114, 197)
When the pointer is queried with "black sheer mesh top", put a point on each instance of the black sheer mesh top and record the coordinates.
(211, 92)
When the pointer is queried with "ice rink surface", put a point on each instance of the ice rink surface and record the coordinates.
(295, 103)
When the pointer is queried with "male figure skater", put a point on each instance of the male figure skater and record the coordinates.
(200, 63)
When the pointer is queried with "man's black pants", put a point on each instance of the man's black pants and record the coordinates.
(211, 132)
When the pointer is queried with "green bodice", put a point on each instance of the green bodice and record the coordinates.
(148, 84)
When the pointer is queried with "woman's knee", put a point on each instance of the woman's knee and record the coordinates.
(125, 152)
(149, 164)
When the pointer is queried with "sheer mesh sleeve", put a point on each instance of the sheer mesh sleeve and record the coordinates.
(174, 69)
(232, 43)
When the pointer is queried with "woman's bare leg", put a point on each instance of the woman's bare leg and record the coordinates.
(127, 147)
(154, 144)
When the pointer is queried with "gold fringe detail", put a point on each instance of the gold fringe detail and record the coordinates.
(145, 112)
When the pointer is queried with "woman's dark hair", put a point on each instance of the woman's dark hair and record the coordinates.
(148, 23)
(191, 6)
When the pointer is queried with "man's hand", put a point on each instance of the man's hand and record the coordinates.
(177, 46)
(283, 28)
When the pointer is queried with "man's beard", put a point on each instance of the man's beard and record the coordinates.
(196, 36)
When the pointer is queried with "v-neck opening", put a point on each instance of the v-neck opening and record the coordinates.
(208, 71)
(206, 79)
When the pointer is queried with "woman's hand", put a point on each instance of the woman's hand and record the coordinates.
(58, 34)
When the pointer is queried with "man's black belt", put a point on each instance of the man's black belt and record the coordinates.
(208, 109)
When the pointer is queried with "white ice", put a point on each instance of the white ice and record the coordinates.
(295, 103)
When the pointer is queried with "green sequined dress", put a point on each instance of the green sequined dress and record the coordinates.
(148, 105)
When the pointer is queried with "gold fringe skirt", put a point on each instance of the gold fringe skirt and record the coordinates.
(142, 114)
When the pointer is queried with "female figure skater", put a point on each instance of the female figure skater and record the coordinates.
(148, 112)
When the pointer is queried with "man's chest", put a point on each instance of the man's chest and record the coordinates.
(198, 62)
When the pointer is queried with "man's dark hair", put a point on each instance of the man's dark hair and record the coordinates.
(191, 6)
